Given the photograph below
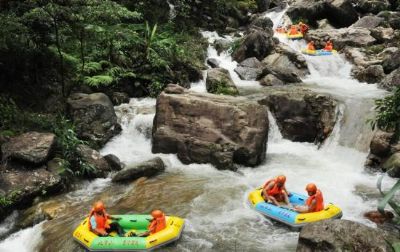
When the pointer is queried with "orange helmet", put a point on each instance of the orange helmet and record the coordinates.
(281, 179)
(157, 213)
(98, 206)
(311, 188)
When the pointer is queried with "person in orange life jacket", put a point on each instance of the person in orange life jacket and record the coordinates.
(328, 46)
(274, 191)
(314, 203)
(311, 46)
(303, 28)
(99, 221)
(293, 30)
(157, 224)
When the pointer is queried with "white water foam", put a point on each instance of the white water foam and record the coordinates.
(25, 240)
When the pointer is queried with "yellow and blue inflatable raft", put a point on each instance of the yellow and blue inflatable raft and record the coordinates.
(130, 223)
(288, 216)
(295, 36)
(318, 52)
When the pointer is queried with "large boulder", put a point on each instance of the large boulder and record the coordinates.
(391, 81)
(369, 22)
(249, 69)
(357, 37)
(32, 147)
(309, 10)
(383, 35)
(145, 169)
(219, 81)
(392, 17)
(392, 165)
(206, 128)
(380, 143)
(340, 13)
(262, 22)
(97, 164)
(256, 44)
(372, 6)
(19, 186)
(391, 61)
(342, 235)
(302, 115)
(370, 74)
(114, 162)
(285, 64)
(94, 117)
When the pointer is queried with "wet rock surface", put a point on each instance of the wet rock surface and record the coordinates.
(342, 235)
(219, 81)
(94, 117)
(33, 148)
(145, 169)
(302, 115)
(256, 44)
(235, 132)
(357, 37)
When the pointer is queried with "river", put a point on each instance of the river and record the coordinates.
(213, 202)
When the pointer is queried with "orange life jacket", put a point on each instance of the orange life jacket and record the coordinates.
(303, 28)
(157, 225)
(275, 190)
(310, 47)
(319, 206)
(328, 47)
(101, 220)
(293, 30)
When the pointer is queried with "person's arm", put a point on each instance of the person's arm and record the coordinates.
(304, 208)
(94, 227)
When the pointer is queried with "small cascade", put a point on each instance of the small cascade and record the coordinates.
(274, 134)
(134, 143)
(172, 11)
(25, 240)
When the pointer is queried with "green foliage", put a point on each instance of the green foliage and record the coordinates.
(223, 88)
(68, 142)
(387, 113)
(235, 45)
(388, 197)
(98, 80)
(9, 199)
(375, 49)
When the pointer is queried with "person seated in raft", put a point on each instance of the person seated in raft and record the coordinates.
(303, 28)
(328, 46)
(157, 224)
(311, 46)
(281, 29)
(293, 30)
(99, 221)
(274, 191)
(314, 203)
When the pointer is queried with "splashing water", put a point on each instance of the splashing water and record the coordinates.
(213, 202)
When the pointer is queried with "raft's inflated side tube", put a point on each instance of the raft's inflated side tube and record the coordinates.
(296, 36)
(139, 223)
(318, 52)
(291, 217)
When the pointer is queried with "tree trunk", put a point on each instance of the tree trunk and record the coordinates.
(81, 41)
(58, 44)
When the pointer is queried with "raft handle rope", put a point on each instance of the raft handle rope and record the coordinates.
(153, 241)
(133, 220)
(326, 209)
(86, 240)
(301, 219)
(172, 223)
